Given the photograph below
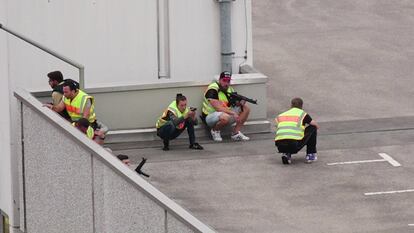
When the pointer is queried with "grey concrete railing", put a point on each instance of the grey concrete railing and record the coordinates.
(80, 67)
(71, 184)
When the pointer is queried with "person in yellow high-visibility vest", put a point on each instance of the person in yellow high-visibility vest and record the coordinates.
(295, 129)
(84, 126)
(77, 103)
(174, 120)
(218, 112)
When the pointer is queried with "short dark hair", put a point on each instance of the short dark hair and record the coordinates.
(297, 103)
(180, 97)
(72, 84)
(83, 122)
(55, 76)
(122, 157)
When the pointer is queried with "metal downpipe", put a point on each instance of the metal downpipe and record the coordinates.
(225, 32)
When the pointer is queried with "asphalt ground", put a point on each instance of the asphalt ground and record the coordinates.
(352, 63)
(244, 187)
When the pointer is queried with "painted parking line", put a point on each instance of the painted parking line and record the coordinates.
(411, 225)
(390, 160)
(354, 162)
(389, 192)
(385, 158)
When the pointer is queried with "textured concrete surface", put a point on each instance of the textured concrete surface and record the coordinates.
(114, 198)
(58, 179)
(244, 187)
(347, 59)
(351, 61)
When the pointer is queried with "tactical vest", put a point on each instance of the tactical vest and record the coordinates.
(290, 125)
(59, 88)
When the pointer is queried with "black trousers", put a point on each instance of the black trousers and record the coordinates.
(294, 146)
(169, 132)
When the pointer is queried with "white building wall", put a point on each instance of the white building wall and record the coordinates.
(5, 158)
(116, 41)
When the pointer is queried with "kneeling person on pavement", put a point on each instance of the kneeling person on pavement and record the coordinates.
(174, 120)
(218, 112)
(295, 129)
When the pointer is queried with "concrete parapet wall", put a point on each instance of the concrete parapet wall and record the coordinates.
(71, 184)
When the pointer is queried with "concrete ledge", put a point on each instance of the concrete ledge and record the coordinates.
(149, 134)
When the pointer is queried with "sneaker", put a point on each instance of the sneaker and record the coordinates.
(216, 135)
(286, 158)
(311, 158)
(240, 137)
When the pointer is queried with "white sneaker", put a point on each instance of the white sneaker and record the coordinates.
(216, 135)
(240, 137)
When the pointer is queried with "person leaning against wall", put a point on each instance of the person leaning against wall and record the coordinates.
(295, 129)
(56, 83)
(84, 126)
(79, 104)
(174, 120)
(218, 113)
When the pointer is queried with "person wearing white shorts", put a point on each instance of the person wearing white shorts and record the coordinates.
(217, 112)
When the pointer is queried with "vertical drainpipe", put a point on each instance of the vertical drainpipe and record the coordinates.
(163, 39)
(225, 32)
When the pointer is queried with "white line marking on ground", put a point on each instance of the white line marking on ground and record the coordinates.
(389, 192)
(386, 158)
(361, 161)
(411, 225)
(390, 160)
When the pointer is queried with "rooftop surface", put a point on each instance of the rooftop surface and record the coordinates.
(352, 63)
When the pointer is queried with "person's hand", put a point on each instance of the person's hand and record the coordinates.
(191, 114)
(50, 106)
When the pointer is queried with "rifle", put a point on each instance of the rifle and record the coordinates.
(138, 169)
(234, 98)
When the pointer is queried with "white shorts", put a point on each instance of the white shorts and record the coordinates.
(214, 117)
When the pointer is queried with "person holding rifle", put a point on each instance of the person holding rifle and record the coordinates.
(219, 112)
(174, 120)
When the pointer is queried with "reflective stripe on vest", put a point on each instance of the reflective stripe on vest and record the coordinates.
(290, 125)
(76, 106)
(207, 108)
(174, 109)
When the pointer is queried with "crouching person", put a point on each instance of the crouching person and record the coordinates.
(296, 129)
(84, 126)
(175, 119)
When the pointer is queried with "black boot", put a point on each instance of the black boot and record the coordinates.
(166, 145)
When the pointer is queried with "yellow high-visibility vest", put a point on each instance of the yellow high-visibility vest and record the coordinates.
(207, 108)
(290, 125)
(76, 106)
(90, 133)
(174, 109)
